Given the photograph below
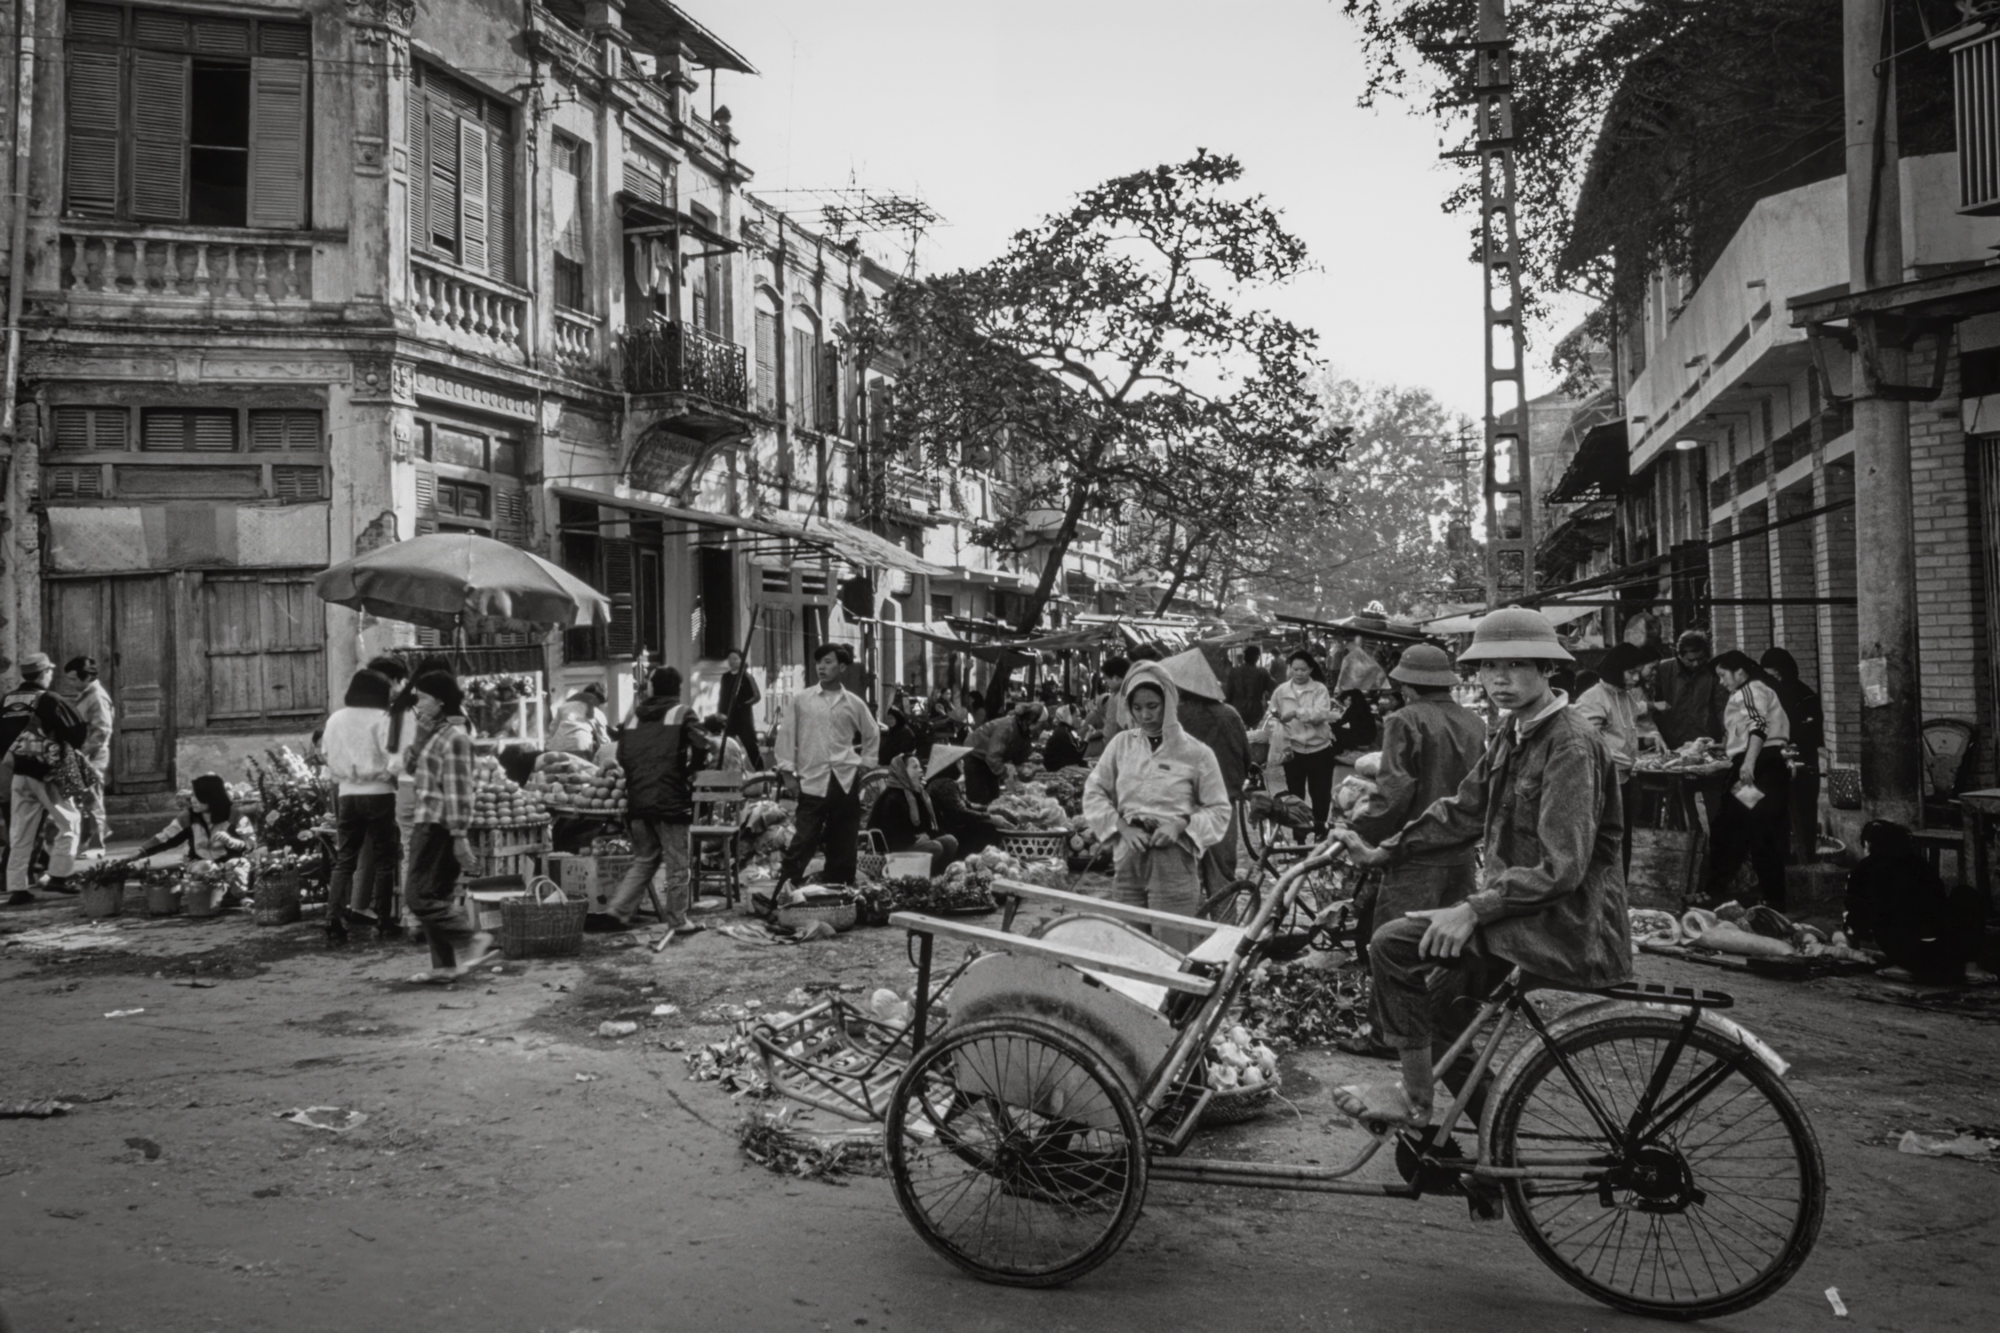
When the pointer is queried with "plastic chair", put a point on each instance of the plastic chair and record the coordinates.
(713, 837)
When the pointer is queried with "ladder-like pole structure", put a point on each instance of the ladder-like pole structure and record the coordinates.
(1510, 499)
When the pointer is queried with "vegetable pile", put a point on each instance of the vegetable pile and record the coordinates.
(1307, 1005)
(1029, 811)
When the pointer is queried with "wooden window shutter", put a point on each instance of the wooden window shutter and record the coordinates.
(416, 130)
(472, 215)
(443, 190)
(802, 377)
(159, 136)
(212, 432)
(829, 387)
(511, 523)
(503, 261)
(427, 499)
(621, 634)
(90, 176)
(767, 360)
(278, 142)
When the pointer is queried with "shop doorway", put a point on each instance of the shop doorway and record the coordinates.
(125, 623)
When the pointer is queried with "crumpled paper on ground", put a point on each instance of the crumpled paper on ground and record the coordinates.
(1969, 1146)
(333, 1119)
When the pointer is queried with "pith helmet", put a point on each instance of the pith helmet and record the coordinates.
(1515, 633)
(1425, 664)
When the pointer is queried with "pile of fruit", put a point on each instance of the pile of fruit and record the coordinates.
(565, 782)
(1029, 810)
(498, 801)
(1236, 1060)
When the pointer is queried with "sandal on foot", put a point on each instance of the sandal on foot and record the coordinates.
(481, 952)
(1380, 1107)
(438, 977)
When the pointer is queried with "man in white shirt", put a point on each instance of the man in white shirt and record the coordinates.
(829, 739)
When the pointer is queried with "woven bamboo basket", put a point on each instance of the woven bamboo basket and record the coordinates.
(841, 916)
(104, 898)
(163, 893)
(1034, 844)
(545, 924)
(1231, 1106)
(872, 861)
(277, 897)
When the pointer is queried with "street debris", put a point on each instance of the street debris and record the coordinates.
(333, 1119)
(733, 1063)
(665, 1010)
(35, 1110)
(146, 1146)
(1971, 1144)
(1833, 1299)
(124, 1013)
(770, 1137)
(614, 1027)
(587, 1078)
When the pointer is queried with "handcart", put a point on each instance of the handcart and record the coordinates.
(1645, 1146)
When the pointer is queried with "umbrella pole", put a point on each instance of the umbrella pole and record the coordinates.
(458, 644)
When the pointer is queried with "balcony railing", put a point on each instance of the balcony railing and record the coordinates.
(676, 358)
(578, 351)
(466, 310)
(189, 267)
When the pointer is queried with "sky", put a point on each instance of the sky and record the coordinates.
(999, 114)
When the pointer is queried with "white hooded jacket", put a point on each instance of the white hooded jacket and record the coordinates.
(1180, 784)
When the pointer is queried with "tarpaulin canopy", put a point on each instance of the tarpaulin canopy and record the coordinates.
(1559, 613)
(444, 579)
(998, 654)
(857, 546)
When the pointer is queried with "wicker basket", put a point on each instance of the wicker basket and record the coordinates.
(1034, 844)
(1231, 1106)
(104, 898)
(872, 861)
(545, 924)
(1843, 787)
(841, 916)
(276, 899)
(163, 893)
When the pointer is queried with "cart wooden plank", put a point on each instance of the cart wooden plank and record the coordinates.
(1084, 902)
(1083, 958)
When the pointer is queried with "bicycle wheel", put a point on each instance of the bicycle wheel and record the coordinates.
(1016, 1153)
(1232, 905)
(1713, 1211)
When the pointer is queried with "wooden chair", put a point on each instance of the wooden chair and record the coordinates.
(713, 838)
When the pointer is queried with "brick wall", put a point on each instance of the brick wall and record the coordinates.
(1753, 579)
(1722, 583)
(1839, 628)
(1795, 628)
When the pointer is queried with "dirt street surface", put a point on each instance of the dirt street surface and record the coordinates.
(518, 1172)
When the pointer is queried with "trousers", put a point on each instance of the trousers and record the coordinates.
(830, 824)
(432, 895)
(34, 802)
(1165, 879)
(1310, 777)
(367, 855)
(655, 844)
(1423, 1003)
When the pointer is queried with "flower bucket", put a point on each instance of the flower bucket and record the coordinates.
(101, 900)
(202, 897)
(163, 896)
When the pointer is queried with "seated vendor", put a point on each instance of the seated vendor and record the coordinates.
(904, 815)
(1543, 801)
(207, 827)
(969, 824)
(1159, 794)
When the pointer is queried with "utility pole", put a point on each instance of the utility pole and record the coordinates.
(1510, 500)
(1885, 551)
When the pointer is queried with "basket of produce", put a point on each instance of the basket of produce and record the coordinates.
(162, 886)
(277, 893)
(576, 786)
(1243, 1074)
(205, 887)
(499, 802)
(968, 893)
(101, 890)
(546, 923)
(837, 907)
(873, 858)
(510, 849)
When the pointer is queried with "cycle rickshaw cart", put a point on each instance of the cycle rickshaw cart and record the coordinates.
(1644, 1145)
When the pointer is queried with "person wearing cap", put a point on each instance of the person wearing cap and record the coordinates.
(1206, 718)
(442, 763)
(1429, 745)
(93, 705)
(580, 727)
(1543, 804)
(1616, 705)
(828, 741)
(36, 726)
(1158, 797)
(904, 813)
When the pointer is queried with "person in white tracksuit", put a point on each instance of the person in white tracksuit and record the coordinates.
(1159, 793)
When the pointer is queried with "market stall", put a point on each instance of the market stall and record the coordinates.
(1669, 822)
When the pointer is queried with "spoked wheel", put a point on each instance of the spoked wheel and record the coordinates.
(1016, 1153)
(1715, 1209)
(1233, 905)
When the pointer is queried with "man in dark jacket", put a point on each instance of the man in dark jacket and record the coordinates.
(36, 726)
(1005, 740)
(660, 752)
(1687, 698)
(738, 704)
(1204, 717)
(1247, 688)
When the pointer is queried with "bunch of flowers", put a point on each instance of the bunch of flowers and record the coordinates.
(493, 702)
(297, 801)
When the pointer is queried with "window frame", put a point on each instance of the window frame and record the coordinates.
(496, 132)
(242, 455)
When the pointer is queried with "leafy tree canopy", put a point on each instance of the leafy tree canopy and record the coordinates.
(1110, 357)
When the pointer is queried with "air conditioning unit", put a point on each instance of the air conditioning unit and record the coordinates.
(1976, 91)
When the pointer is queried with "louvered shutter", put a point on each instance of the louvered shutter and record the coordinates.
(159, 136)
(472, 249)
(416, 129)
(213, 432)
(503, 263)
(444, 172)
(829, 388)
(767, 360)
(70, 429)
(427, 492)
(277, 142)
(90, 178)
(622, 633)
(511, 522)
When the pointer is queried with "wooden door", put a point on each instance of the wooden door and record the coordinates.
(124, 624)
(141, 684)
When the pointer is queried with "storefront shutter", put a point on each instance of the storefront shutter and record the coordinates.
(472, 251)
(159, 136)
(90, 178)
(512, 522)
(277, 142)
(621, 635)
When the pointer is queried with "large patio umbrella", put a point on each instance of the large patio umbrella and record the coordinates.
(446, 579)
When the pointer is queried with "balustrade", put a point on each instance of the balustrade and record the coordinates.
(460, 308)
(577, 352)
(213, 268)
(677, 358)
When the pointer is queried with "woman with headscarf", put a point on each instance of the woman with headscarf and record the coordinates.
(1754, 820)
(1158, 795)
(1305, 709)
(1808, 718)
(904, 815)
(208, 827)
(969, 824)
(899, 734)
(358, 758)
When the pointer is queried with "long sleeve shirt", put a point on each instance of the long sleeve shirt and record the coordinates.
(356, 745)
(94, 707)
(1544, 801)
(445, 779)
(1180, 784)
(1693, 699)
(828, 734)
(1428, 748)
(1614, 712)
(1754, 710)
(205, 841)
(1307, 712)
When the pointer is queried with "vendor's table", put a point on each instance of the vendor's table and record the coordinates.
(1675, 800)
